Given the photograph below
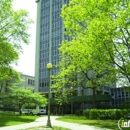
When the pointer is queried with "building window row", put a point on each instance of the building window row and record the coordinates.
(45, 20)
(119, 94)
(55, 16)
(55, 62)
(43, 74)
(56, 43)
(44, 42)
(43, 65)
(44, 46)
(118, 102)
(66, 1)
(56, 7)
(44, 37)
(44, 55)
(46, 59)
(56, 1)
(55, 58)
(44, 84)
(57, 33)
(55, 52)
(45, 3)
(45, 28)
(45, 11)
(31, 82)
(57, 38)
(56, 24)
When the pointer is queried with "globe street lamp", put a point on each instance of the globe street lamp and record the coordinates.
(49, 67)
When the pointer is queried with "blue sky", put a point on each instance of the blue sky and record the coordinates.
(26, 63)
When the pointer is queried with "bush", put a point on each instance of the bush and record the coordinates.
(105, 113)
(93, 114)
(86, 113)
(125, 105)
(79, 112)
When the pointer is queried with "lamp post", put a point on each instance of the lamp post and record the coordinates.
(49, 67)
(71, 100)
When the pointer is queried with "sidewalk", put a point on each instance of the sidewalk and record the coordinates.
(43, 120)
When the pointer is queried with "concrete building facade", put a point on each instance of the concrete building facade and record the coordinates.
(27, 81)
(49, 34)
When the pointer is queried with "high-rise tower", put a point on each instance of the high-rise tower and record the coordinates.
(49, 34)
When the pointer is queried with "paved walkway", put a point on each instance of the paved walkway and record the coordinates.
(43, 120)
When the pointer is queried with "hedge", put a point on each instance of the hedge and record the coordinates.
(102, 114)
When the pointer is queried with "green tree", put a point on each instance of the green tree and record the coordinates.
(99, 50)
(14, 24)
(14, 27)
(19, 97)
(12, 79)
(104, 27)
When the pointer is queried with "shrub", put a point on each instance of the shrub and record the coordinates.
(79, 112)
(86, 113)
(93, 114)
(105, 113)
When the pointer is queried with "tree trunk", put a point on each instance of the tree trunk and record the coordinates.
(28, 108)
(94, 97)
(1, 86)
(20, 112)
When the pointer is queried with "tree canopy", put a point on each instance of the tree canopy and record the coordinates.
(14, 27)
(98, 54)
(19, 97)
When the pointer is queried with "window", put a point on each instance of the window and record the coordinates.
(29, 81)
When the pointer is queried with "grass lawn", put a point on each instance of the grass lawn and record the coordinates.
(110, 124)
(14, 119)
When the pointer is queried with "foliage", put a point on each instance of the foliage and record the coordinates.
(101, 114)
(102, 34)
(14, 24)
(10, 78)
(98, 54)
(19, 97)
(126, 105)
(79, 112)
(14, 27)
(62, 95)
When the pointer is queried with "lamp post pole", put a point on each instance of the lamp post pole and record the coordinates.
(49, 67)
(72, 101)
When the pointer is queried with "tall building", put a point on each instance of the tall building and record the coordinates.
(49, 35)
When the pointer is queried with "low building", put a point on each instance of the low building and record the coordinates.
(27, 81)
(120, 95)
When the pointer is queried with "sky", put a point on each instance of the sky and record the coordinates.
(26, 63)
